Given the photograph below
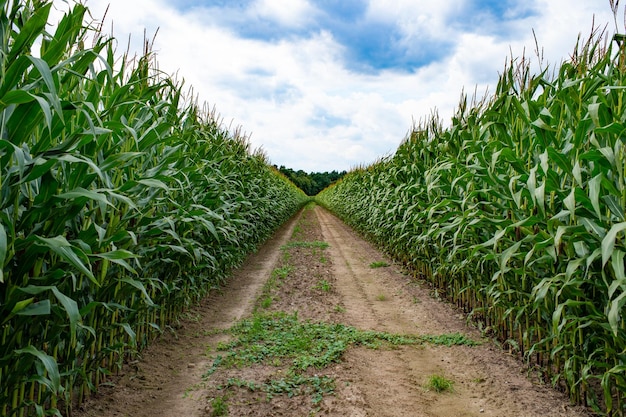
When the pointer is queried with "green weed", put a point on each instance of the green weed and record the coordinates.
(219, 407)
(282, 272)
(301, 244)
(439, 383)
(267, 302)
(323, 285)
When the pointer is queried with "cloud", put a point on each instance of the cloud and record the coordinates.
(322, 84)
(294, 13)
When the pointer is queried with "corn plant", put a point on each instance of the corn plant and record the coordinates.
(122, 202)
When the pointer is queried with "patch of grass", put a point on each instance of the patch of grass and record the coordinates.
(274, 339)
(298, 244)
(219, 407)
(282, 272)
(340, 309)
(450, 339)
(323, 285)
(439, 383)
(267, 302)
(381, 297)
(267, 336)
(292, 385)
(378, 264)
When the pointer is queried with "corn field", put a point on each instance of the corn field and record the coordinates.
(122, 202)
(516, 212)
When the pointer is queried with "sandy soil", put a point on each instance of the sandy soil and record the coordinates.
(168, 380)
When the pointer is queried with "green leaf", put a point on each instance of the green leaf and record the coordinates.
(71, 308)
(540, 196)
(608, 243)
(577, 173)
(75, 159)
(39, 167)
(53, 382)
(532, 183)
(3, 251)
(116, 254)
(616, 209)
(40, 308)
(570, 201)
(151, 182)
(119, 256)
(46, 74)
(16, 97)
(593, 112)
(594, 194)
(31, 30)
(83, 193)
(68, 30)
(615, 308)
(139, 285)
(561, 160)
(69, 253)
(47, 112)
(592, 226)
(130, 332)
(617, 262)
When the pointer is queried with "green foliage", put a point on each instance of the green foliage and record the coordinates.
(314, 245)
(452, 339)
(275, 338)
(378, 264)
(282, 272)
(291, 386)
(266, 302)
(439, 383)
(265, 337)
(121, 203)
(311, 183)
(323, 285)
(516, 212)
(219, 407)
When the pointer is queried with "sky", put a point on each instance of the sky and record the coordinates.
(323, 85)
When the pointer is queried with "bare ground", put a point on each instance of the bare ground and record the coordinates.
(168, 380)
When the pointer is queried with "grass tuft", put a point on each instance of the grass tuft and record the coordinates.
(439, 383)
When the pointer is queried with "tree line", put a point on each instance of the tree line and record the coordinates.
(310, 183)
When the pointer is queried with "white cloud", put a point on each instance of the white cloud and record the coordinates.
(290, 14)
(297, 98)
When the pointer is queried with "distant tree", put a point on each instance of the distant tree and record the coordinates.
(310, 183)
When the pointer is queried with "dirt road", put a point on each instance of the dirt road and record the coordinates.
(296, 273)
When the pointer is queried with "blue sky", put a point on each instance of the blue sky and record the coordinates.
(332, 84)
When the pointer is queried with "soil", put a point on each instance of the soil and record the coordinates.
(334, 284)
